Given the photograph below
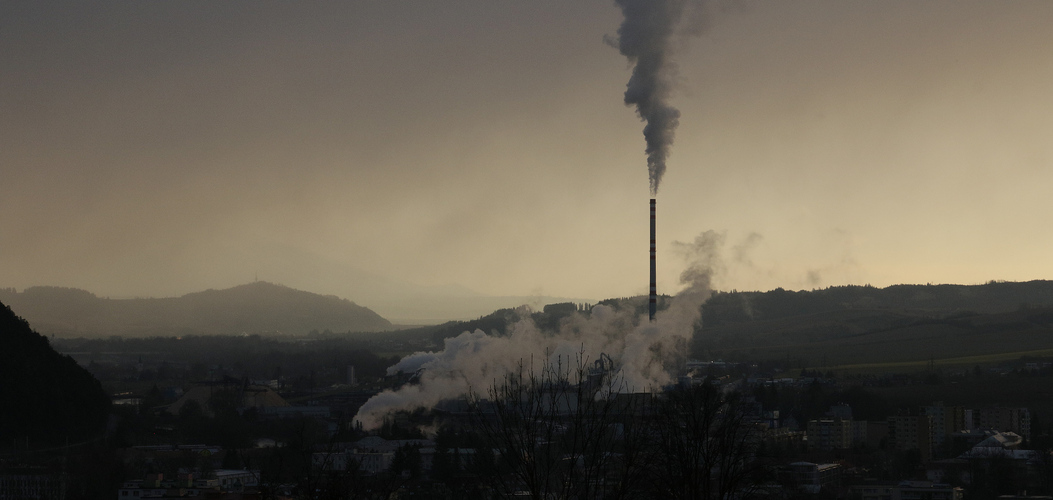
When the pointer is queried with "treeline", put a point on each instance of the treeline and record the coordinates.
(317, 362)
(825, 313)
(992, 297)
(549, 318)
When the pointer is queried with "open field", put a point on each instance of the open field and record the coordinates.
(958, 363)
(867, 339)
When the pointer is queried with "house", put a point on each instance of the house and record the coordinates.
(156, 487)
(925, 490)
(812, 478)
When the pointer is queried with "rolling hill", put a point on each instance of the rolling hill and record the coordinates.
(860, 325)
(960, 325)
(251, 308)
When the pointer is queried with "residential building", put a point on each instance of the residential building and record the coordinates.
(946, 420)
(925, 490)
(295, 412)
(859, 432)
(911, 432)
(877, 434)
(830, 434)
(371, 462)
(812, 478)
(872, 490)
(236, 479)
(841, 411)
(33, 485)
(1017, 420)
(156, 487)
(329, 460)
(374, 454)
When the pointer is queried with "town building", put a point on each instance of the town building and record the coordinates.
(859, 432)
(33, 484)
(925, 490)
(811, 478)
(156, 487)
(1017, 420)
(911, 432)
(872, 490)
(830, 434)
(946, 420)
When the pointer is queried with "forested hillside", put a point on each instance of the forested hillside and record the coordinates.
(44, 396)
(937, 300)
(863, 324)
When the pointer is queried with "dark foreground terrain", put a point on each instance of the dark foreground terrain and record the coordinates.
(775, 375)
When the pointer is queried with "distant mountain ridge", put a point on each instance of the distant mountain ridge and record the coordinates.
(251, 308)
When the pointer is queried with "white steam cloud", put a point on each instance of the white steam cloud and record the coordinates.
(645, 353)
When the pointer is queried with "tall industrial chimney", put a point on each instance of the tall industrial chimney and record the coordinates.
(653, 304)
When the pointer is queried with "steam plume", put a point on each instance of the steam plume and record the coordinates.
(645, 38)
(644, 352)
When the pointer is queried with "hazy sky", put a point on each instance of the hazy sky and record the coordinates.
(159, 148)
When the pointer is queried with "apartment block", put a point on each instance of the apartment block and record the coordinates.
(1016, 420)
(830, 434)
(946, 420)
(912, 432)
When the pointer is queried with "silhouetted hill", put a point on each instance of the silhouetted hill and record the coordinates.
(44, 395)
(992, 297)
(842, 325)
(863, 324)
(255, 307)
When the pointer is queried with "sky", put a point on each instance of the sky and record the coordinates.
(386, 151)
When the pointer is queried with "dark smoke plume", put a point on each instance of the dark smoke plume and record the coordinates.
(645, 38)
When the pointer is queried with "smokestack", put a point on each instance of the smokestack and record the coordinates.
(653, 304)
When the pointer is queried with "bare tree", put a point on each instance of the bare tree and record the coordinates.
(571, 433)
(708, 443)
(556, 430)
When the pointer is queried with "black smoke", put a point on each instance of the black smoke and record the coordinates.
(646, 38)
